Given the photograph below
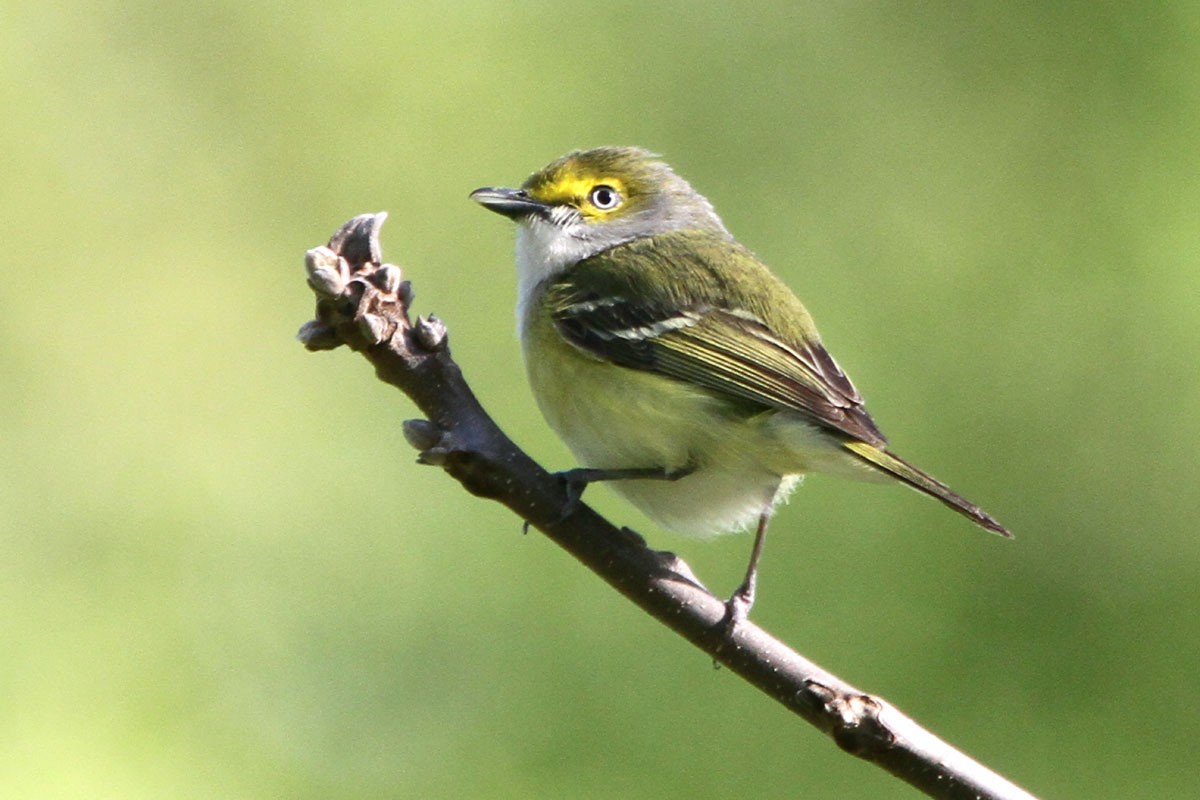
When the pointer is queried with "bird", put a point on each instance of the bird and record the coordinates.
(672, 361)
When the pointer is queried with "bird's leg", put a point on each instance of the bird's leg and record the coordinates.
(586, 475)
(578, 479)
(737, 607)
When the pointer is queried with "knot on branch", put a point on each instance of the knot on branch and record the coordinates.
(855, 719)
(362, 301)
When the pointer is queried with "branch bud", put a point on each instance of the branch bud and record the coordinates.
(430, 332)
(422, 434)
(318, 336)
(374, 327)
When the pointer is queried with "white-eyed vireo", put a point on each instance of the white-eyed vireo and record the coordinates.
(666, 355)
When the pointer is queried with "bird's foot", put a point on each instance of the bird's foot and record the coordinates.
(737, 608)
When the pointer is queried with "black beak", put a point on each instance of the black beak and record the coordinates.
(515, 204)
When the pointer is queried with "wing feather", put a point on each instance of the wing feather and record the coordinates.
(708, 339)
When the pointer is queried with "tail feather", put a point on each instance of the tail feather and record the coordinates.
(924, 482)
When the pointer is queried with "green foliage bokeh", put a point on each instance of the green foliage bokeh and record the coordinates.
(222, 575)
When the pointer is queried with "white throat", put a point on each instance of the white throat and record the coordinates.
(544, 250)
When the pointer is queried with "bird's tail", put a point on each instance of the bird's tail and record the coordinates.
(924, 482)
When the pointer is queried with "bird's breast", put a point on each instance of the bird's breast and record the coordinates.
(614, 417)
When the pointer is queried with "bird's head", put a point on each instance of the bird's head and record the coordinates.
(591, 200)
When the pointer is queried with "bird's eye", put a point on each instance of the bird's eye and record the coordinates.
(604, 198)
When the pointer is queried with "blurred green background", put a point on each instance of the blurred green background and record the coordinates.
(223, 576)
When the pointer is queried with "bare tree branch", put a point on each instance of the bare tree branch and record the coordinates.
(363, 303)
